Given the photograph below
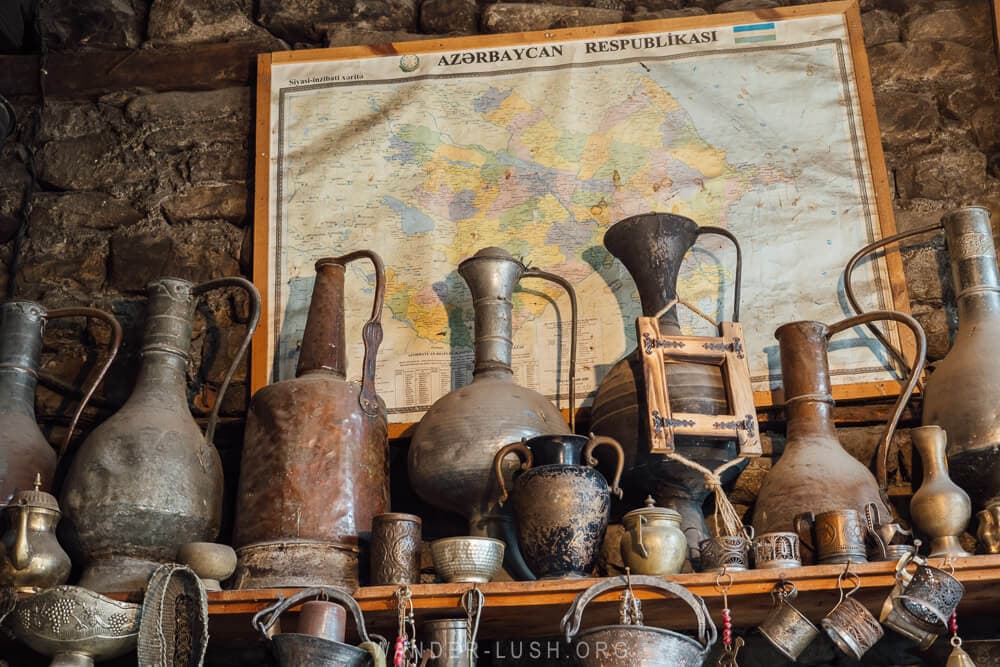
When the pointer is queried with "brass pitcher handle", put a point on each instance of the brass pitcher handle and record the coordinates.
(265, 619)
(882, 453)
(114, 343)
(254, 297)
(371, 333)
(527, 460)
(598, 440)
(802, 524)
(738, 283)
(574, 322)
(849, 283)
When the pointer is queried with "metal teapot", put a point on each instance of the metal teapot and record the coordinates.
(34, 559)
(147, 480)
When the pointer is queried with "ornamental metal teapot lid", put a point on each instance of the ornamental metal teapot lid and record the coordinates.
(35, 498)
(652, 512)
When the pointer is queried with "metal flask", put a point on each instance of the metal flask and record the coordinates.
(652, 248)
(814, 473)
(315, 463)
(147, 480)
(24, 451)
(453, 446)
(962, 395)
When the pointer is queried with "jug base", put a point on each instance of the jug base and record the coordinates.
(117, 574)
(299, 564)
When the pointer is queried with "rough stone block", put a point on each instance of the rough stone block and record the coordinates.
(72, 210)
(346, 34)
(915, 213)
(197, 252)
(57, 249)
(93, 162)
(880, 27)
(385, 14)
(68, 119)
(223, 201)
(962, 103)
(905, 117)
(917, 65)
(73, 25)
(748, 484)
(745, 5)
(953, 172)
(296, 20)
(968, 23)
(203, 21)
(520, 17)
(445, 16)
(179, 107)
(14, 181)
(923, 265)
(938, 322)
(985, 124)
(649, 6)
(220, 162)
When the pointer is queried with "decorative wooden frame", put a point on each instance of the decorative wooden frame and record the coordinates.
(260, 363)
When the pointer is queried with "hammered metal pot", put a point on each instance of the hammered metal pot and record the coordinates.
(147, 480)
(652, 247)
(636, 645)
(467, 559)
(315, 461)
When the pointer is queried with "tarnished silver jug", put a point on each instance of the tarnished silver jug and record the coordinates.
(24, 451)
(452, 450)
(293, 649)
(147, 480)
(630, 643)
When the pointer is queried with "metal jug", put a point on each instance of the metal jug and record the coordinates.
(630, 643)
(24, 451)
(814, 473)
(315, 463)
(452, 449)
(34, 559)
(652, 248)
(962, 395)
(294, 649)
(147, 480)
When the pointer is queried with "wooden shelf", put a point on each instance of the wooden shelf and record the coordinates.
(534, 609)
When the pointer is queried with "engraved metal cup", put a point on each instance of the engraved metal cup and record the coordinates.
(731, 552)
(839, 536)
(849, 624)
(786, 627)
(395, 549)
(932, 596)
(446, 642)
(776, 550)
(895, 617)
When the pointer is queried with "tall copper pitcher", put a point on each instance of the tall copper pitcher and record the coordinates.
(24, 451)
(814, 473)
(147, 480)
(316, 453)
(652, 247)
(451, 453)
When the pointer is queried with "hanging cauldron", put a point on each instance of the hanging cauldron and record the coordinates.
(652, 248)
(632, 644)
(294, 649)
(453, 446)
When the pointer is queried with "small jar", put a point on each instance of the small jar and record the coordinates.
(653, 542)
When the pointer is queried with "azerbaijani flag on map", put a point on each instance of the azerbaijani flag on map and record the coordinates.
(757, 32)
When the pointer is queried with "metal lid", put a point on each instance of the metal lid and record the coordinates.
(651, 511)
(36, 497)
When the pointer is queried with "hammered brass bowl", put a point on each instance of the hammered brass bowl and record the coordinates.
(467, 559)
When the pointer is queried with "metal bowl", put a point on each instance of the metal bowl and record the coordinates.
(467, 559)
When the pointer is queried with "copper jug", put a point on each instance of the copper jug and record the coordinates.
(814, 473)
(24, 451)
(34, 559)
(652, 248)
(315, 467)
(147, 480)
(453, 446)
(962, 395)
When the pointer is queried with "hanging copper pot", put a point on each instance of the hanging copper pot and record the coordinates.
(315, 466)
(147, 480)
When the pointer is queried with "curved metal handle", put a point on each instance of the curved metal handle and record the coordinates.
(643, 551)
(737, 288)
(707, 633)
(21, 557)
(882, 453)
(254, 296)
(849, 283)
(597, 441)
(114, 343)
(574, 321)
(265, 619)
(803, 524)
(873, 521)
(523, 451)
(371, 333)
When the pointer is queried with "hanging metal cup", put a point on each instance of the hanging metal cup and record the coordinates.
(776, 550)
(786, 627)
(932, 596)
(725, 552)
(849, 624)
(895, 617)
(446, 643)
(839, 536)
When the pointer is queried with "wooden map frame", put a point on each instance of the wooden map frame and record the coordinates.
(265, 125)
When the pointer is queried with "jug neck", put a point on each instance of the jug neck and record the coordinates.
(166, 343)
(652, 247)
(974, 272)
(805, 374)
(21, 326)
(491, 275)
(931, 444)
(323, 341)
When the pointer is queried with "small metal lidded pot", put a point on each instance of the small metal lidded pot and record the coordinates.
(34, 558)
(395, 553)
(653, 542)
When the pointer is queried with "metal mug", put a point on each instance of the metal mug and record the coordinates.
(395, 554)
(932, 595)
(729, 552)
(786, 627)
(839, 536)
(446, 642)
(776, 550)
(849, 624)
(895, 617)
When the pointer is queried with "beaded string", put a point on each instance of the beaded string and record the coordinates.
(407, 632)
(730, 649)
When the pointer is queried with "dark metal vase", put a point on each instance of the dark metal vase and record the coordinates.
(652, 248)
(147, 480)
(561, 504)
(315, 466)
